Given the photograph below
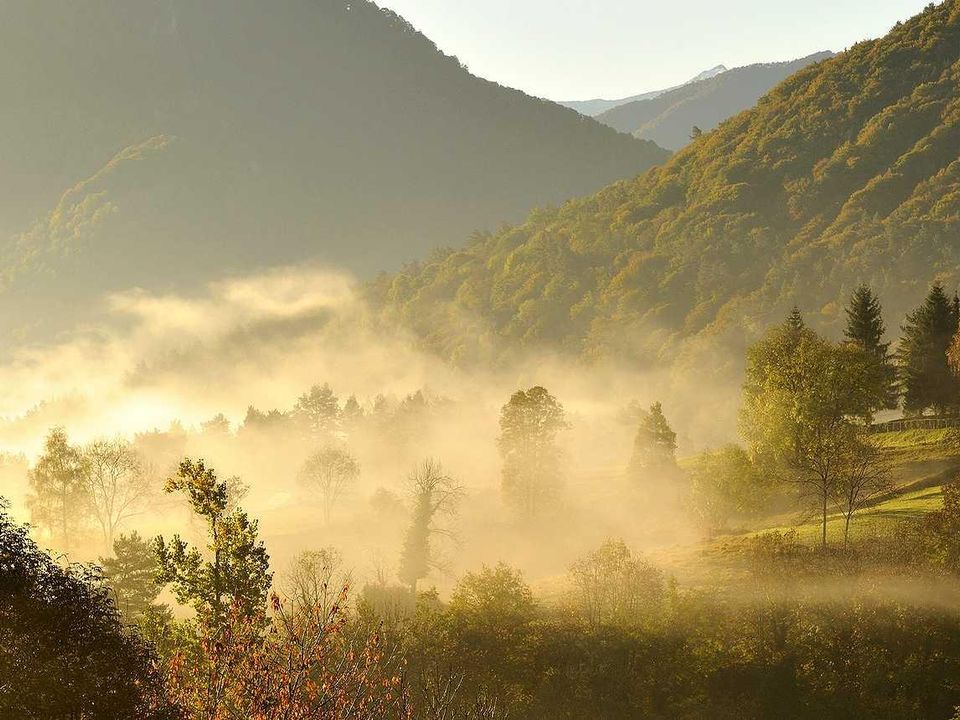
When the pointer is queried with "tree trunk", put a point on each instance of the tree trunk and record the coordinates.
(824, 534)
(846, 530)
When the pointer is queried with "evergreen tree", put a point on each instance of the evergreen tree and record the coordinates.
(318, 412)
(58, 500)
(865, 329)
(795, 320)
(131, 575)
(925, 374)
(237, 573)
(655, 445)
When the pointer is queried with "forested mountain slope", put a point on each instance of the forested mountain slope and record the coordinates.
(846, 172)
(171, 141)
(669, 118)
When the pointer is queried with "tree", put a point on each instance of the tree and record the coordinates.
(804, 402)
(315, 580)
(725, 485)
(318, 412)
(116, 483)
(131, 575)
(864, 477)
(497, 598)
(330, 472)
(865, 328)
(237, 575)
(63, 651)
(614, 587)
(433, 494)
(58, 500)
(655, 445)
(529, 425)
(925, 373)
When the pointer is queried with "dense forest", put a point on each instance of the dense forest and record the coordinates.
(847, 171)
(669, 119)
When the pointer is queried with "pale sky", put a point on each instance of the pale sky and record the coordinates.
(581, 49)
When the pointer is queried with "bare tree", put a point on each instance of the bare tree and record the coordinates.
(433, 494)
(315, 580)
(117, 483)
(865, 476)
(330, 471)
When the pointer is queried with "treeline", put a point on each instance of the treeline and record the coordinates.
(846, 170)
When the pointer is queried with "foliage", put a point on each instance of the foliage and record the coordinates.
(529, 425)
(318, 412)
(614, 587)
(865, 328)
(131, 575)
(237, 575)
(725, 486)
(655, 445)
(925, 373)
(846, 172)
(58, 488)
(63, 650)
(315, 579)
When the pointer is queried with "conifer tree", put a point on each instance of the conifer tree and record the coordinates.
(58, 499)
(925, 374)
(865, 329)
(655, 445)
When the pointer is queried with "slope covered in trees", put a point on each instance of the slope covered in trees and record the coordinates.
(847, 172)
(145, 141)
(669, 118)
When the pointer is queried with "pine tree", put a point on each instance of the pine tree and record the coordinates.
(131, 575)
(865, 329)
(795, 320)
(925, 374)
(654, 448)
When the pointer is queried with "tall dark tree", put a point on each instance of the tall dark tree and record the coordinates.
(318, 412)
(529, 425)
(925, 374)
(866, 329)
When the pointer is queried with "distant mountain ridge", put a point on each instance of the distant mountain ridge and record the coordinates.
(162, 143)
(846, 172)
(669, 118)
(593, 108)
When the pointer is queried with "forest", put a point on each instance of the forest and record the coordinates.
(802, 572)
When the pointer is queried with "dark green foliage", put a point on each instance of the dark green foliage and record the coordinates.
(532, 473)
(845, 172)
(63, 650)
(866, 329)
(925, 373)
(131, 575)
(237, 576)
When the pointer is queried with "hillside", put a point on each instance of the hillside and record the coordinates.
(846, 172)
(598, 106)
(669, 118)
(161, 143)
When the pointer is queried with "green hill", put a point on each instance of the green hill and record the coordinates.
(167, 143)
(668, 119)
(846, 172)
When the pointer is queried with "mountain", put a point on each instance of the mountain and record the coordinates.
(847, 172)
(669, 118)
(163, 142)
(593, 108)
